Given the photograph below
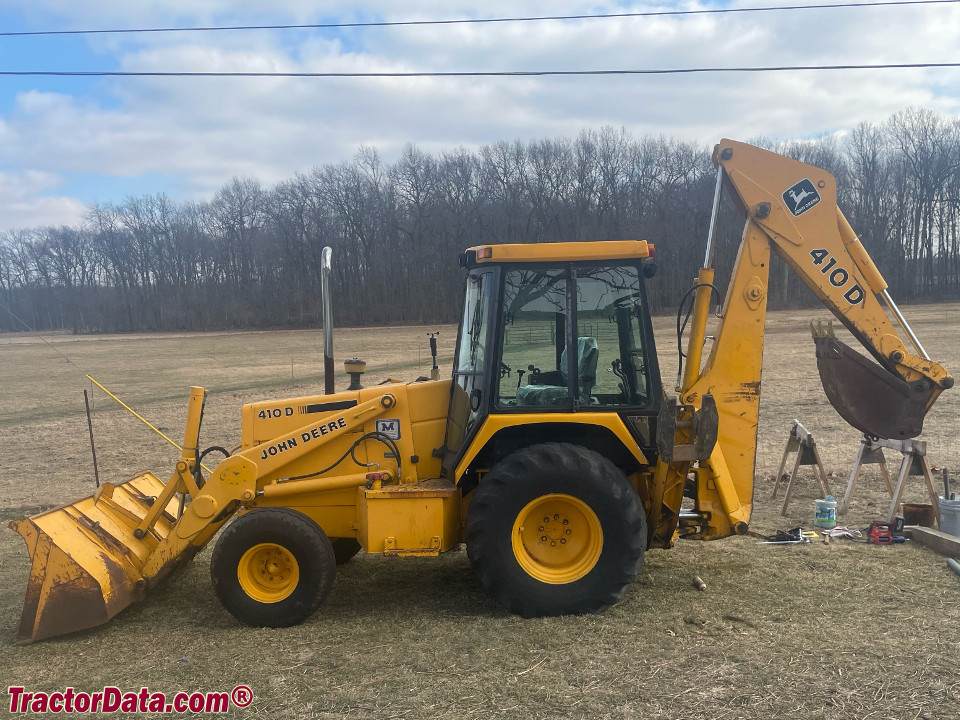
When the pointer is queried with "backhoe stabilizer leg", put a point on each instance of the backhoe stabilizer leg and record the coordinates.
(737, 512)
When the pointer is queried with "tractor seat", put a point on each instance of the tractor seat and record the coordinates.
(588, 356)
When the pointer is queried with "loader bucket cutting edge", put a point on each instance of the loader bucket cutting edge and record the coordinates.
(85, 561)
(869, 397)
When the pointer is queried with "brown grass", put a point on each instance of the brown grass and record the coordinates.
(834, 632)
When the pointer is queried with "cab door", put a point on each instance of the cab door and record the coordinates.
(470, 389)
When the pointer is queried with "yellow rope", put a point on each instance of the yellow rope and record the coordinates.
(140, 417)
(122, 404)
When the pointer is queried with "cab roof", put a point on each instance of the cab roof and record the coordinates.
(557, 252)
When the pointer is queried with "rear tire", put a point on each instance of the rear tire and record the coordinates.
(273, 567)
(555, 529)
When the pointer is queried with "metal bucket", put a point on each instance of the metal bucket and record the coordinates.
(869, 397)
(92, 558)
(950, 516)
(86, 561)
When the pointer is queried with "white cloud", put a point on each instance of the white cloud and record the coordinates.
(22, 204)
(205, 131)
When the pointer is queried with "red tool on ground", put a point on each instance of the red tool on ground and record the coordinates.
(881, 533)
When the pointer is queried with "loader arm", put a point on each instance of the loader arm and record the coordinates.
(94, 557)
(791, 209)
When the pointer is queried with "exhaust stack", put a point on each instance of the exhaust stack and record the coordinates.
(325, 266)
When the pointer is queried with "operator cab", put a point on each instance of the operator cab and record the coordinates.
(554, 329)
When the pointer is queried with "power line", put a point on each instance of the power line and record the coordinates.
(477, 21)
(498, 73)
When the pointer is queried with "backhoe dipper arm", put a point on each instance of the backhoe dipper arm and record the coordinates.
(792, 208)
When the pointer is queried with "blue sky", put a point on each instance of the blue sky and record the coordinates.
(67, 142)
(45, 53)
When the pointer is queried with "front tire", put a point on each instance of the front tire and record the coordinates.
(273, 567)
(555, 529)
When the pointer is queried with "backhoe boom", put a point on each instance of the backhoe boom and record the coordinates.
(791, 209)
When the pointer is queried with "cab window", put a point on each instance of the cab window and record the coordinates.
(532, 370)
(610, 316)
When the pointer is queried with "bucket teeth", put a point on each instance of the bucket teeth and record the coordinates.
(821, 331)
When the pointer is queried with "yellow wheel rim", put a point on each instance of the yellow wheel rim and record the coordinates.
(268, 573)
(557, 539)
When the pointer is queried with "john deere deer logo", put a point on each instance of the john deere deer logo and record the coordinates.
(801, 197)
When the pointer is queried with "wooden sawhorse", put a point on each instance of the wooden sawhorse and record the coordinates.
(914, 464)
(801, 442)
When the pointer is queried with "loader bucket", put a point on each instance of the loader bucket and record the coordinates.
(86, 560)
(869, 397)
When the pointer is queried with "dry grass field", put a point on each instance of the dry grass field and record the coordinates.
(833, 631)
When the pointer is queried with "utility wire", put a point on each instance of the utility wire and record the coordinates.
(492, 73)
(477, 21)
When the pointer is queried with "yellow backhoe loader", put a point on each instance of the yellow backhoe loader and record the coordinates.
(553, 452)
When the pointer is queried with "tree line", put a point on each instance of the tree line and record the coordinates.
(250, 256)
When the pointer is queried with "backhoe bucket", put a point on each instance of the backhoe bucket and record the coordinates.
(86, 559)
(870, 397)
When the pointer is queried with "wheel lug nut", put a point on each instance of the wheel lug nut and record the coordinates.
(540, 529)
(553, 544)
(566, 522)
(556, 516)
(544, 538)
(569, 531)
(546, 519)
(563, 541)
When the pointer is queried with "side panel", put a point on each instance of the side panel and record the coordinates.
(334, 511)
(421, 519)
(428, 419)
